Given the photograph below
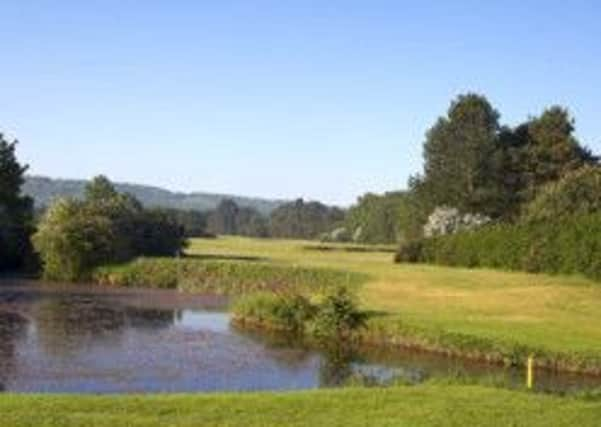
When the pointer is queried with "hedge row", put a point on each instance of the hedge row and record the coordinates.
(570, 246)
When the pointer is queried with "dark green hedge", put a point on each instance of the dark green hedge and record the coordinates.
(570, 246)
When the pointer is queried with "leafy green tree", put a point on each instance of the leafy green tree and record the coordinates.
(223, 220)
(230, 219)
(157, 233)
(249, 222)
(552, 149)
(99, 190)
(304, 220)
(193, 222)
(577, 193)
(71, 240)
(379, 217)
(75, 236)
(16, 210)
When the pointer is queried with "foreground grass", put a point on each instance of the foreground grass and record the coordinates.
(425, 405)
(509, 314)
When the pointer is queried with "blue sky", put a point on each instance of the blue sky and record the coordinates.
(321, 99)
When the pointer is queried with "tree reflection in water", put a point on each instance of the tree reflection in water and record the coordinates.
(12, 328)
(65, 326)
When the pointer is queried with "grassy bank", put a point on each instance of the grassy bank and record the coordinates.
(226, 276)
(483, 314)
(424, 405)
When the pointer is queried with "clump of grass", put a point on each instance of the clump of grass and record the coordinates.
(223, 277)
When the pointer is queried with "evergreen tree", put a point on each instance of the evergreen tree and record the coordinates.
(460, 162)
(16, 210)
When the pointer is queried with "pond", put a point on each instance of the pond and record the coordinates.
(97, 340)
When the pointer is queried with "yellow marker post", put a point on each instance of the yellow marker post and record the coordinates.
(530, 374)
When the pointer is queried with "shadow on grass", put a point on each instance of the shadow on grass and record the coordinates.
(215, 257)
(330, 248)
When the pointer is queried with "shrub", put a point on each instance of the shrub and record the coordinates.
(409, 251)
(569, 246)
(578, 192)
(338, 315)
(335, 317)
(288, 311)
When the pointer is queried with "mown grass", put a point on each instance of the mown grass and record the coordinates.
(424, 405)
(482, 313)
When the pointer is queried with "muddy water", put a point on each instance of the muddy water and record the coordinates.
(93, 340)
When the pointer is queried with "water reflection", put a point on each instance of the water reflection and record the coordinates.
(12, 327)
(78, 339)
(67, 324)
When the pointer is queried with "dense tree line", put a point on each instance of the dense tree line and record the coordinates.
(304, 220)
(74, 236)
(193, 223)
(377, 218)
(478, 166)
(229, 218)
(16, 210)
(297, 219)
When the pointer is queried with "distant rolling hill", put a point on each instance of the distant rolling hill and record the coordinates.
(44, 190)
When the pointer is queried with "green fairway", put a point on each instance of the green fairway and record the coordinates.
(426, 405)
(550, 314)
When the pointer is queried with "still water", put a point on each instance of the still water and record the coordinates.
(94, 340)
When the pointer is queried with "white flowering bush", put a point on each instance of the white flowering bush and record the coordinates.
(339, 235)
(446, 220)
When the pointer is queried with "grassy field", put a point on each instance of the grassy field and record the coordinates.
(425, 405)
(541, 313)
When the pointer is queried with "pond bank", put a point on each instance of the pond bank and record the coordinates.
(77, 338)
(453, 346)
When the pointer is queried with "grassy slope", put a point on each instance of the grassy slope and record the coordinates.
(554, 313)
(425, 405)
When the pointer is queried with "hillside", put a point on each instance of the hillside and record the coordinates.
(44, 190)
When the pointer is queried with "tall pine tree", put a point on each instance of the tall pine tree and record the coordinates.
(460, 162)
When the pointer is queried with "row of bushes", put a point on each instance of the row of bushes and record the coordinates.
(221, 277)
(570, 246)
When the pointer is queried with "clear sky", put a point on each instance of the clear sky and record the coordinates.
(321, 99)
